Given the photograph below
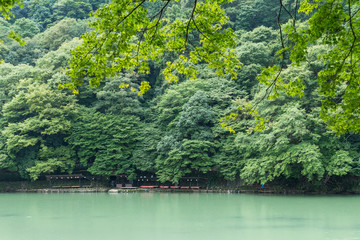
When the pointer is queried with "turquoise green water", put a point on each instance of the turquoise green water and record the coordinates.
(160, 216)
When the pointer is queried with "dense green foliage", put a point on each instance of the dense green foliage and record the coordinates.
(172, 129)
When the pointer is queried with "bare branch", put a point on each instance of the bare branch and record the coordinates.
(273, 83)
(295, 12)
(287, 11)
(188, 25)
(159, 14)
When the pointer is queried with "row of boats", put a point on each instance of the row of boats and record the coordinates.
(172, 187)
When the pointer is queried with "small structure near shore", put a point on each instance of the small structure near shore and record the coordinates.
(69, 181)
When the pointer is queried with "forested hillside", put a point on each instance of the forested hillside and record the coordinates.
(187, 128)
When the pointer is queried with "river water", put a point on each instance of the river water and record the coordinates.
(177, 216)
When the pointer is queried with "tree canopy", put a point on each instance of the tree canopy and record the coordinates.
(129, 34)
(286, 50)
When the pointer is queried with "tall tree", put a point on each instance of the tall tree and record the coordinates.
(193, 142)
(36, 122)
(105, 142)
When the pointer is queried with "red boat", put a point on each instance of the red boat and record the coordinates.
(164, 187)
(147, 186)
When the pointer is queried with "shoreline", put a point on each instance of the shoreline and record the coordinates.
(141, 190)
(98, 187)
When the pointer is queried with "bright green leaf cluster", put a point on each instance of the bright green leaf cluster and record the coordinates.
(335, 24)
(125, 36)
(15, 36)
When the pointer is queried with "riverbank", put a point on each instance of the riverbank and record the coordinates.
(119, 191)
(207, 191)
(236, 191)
(116, 191)
(43, 187)
(229, 191)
